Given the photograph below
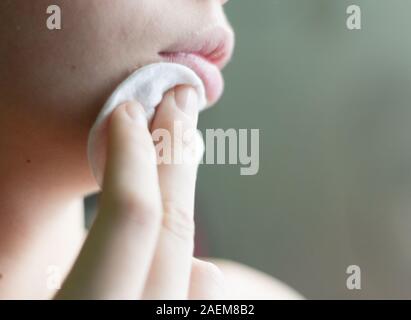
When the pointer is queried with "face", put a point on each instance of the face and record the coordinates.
(55, 82)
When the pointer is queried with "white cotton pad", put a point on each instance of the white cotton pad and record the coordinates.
(147, 86)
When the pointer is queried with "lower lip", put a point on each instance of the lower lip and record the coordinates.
(209, 73)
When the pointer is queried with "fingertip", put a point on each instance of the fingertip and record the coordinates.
(127, 122)
(129, 140)
(186, 99)
(131, 111)
(178, 104)
(167, 105)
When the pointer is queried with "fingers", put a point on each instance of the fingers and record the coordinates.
(177, 115)
(207, 281)
(116, 258)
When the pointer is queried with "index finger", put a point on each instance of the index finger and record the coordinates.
(172, 262)
(117, 254)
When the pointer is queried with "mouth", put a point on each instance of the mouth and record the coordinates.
(206, 54)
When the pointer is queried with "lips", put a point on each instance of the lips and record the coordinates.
(207, 54)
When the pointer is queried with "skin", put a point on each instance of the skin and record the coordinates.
(52, 86)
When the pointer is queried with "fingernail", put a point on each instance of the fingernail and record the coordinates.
(135, 113)
(187, 100)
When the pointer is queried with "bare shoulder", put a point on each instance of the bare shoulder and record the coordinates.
(244, 282)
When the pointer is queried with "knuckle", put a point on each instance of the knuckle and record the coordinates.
(189, 144)
(137, 207)
(191, 152)
(179, 221)
(194, 148)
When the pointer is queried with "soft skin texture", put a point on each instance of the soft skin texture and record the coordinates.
(56, 82)
(52, 86)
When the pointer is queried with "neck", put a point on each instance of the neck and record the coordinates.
(41, 213)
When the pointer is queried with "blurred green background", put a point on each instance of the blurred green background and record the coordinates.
(333, 109)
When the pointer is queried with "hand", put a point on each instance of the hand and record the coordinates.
(141, 244)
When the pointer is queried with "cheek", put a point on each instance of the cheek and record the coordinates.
(66, 75)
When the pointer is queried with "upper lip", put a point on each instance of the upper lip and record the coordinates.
(214, 44)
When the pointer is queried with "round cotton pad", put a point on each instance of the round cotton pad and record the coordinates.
(147, 86)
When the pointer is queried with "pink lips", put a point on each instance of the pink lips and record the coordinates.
(206, 54)
(209, 73)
